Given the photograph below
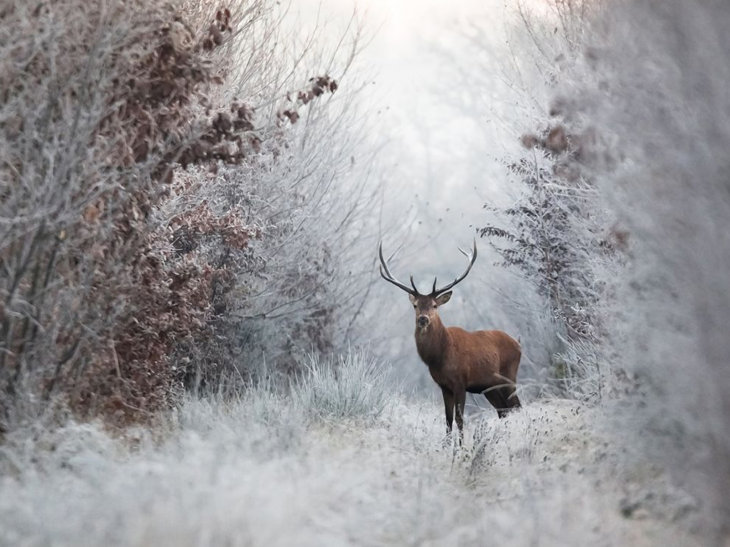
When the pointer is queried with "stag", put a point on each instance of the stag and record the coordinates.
(459, 361)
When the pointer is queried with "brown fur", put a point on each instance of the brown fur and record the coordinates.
(460, 361)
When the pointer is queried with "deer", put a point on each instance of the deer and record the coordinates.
(484, 361)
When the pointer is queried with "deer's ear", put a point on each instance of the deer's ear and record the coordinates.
(442, 299)
(412, 299)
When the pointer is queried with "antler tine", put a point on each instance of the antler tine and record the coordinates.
(414, 286)
(385, 273)
(435, 280)
(472, 258)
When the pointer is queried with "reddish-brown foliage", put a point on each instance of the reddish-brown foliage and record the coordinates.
(103, 289)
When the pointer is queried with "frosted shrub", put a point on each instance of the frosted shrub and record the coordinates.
(103, 102)
(148, 180)
(652, 80)
(354, 385)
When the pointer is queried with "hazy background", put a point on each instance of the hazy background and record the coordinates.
(414, 53)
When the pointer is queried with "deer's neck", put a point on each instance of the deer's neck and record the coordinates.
(432, 343)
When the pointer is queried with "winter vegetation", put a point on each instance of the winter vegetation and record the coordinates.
(167, 209)
(196, 347)
(265, 469)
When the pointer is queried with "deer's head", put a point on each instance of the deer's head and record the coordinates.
(426, 305)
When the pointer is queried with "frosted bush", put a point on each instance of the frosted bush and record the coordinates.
(651, 81)
(354, 385)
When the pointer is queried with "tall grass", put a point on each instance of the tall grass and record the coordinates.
(355, 385)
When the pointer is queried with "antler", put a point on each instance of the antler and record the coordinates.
(385, 273)
(472, 258)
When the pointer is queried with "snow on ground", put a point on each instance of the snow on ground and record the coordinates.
(259, 472)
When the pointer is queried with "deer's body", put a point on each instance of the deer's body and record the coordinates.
(459, 361)
(474, 361)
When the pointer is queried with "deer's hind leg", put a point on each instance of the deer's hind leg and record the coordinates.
(503, 399)
(495, 398)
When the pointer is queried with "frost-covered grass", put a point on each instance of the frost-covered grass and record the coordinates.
(261, 471)
(355, 385)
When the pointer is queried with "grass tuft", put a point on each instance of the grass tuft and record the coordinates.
(354, 385)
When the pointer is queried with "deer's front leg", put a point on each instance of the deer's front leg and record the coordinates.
(449, 408)
(460, 398)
